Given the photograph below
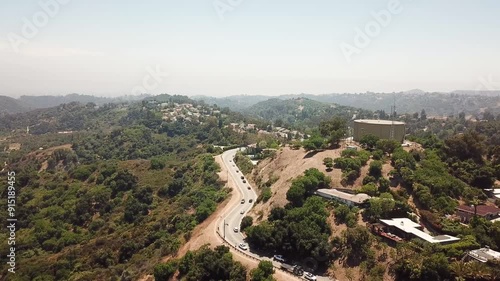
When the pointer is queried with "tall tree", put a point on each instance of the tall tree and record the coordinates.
(334, 130)
(423, 115)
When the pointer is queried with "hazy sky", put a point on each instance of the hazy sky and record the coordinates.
(227, 47)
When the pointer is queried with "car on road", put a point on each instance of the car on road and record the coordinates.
(242, 201)
(237, 171)
(309, 276)
(279, 258)
(248, 187)
(242, 212)
(243, 246)
(235, 229)
(230, 161)
(250, 201)
(242, 177)
(244, 181)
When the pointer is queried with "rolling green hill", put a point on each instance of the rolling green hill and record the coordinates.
(302, 112)
(10, 105)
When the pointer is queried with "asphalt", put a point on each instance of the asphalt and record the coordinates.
(232, 218)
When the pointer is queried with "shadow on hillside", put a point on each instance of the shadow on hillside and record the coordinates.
(311, 153)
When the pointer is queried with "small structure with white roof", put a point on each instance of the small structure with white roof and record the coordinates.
(483, 255)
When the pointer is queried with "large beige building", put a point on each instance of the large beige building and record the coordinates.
(379, 128)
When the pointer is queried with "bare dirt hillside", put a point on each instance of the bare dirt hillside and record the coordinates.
(287, 165)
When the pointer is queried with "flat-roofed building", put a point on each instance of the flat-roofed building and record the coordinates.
(408, 229)
(483, 255)
(379, 128)
(343, 197)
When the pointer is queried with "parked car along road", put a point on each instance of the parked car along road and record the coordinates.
(309, 276)
(279, 258)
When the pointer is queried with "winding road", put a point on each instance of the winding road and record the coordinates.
(232, 219)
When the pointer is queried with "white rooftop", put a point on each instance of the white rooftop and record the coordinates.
(376, 121)
(495, 220)
(410, 226)
(356, 198)
(484, 254)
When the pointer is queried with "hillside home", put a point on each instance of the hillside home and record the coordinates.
(465, 212)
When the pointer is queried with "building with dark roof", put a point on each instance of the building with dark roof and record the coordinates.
(466, 212)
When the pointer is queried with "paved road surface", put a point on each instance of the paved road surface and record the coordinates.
(233, 218)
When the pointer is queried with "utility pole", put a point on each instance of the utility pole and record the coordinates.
(393, 113)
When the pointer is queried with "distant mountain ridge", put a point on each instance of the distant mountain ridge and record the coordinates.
(435, 103)
(10, 105)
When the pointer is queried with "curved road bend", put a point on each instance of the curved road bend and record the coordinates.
(232, 218)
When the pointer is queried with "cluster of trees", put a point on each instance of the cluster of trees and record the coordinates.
(304, 186)
(346, 214)
(386, 205)
(263, 272)
(372, 142)
(243, 162)
(207, 264)
(350, 163)
(296, 231)
(329, 134)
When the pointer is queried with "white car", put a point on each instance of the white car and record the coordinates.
(243, 246)
(279, 258)
(309, 276)
(235, 229)
(242, 212)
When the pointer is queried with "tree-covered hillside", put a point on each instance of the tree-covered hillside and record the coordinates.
(435, 104)
(301, 113)
(110, 199)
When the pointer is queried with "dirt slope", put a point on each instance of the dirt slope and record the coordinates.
(288, 164)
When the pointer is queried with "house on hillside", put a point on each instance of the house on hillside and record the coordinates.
(482, 255)
(405, 228)
(343, 197)
(465, 212)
